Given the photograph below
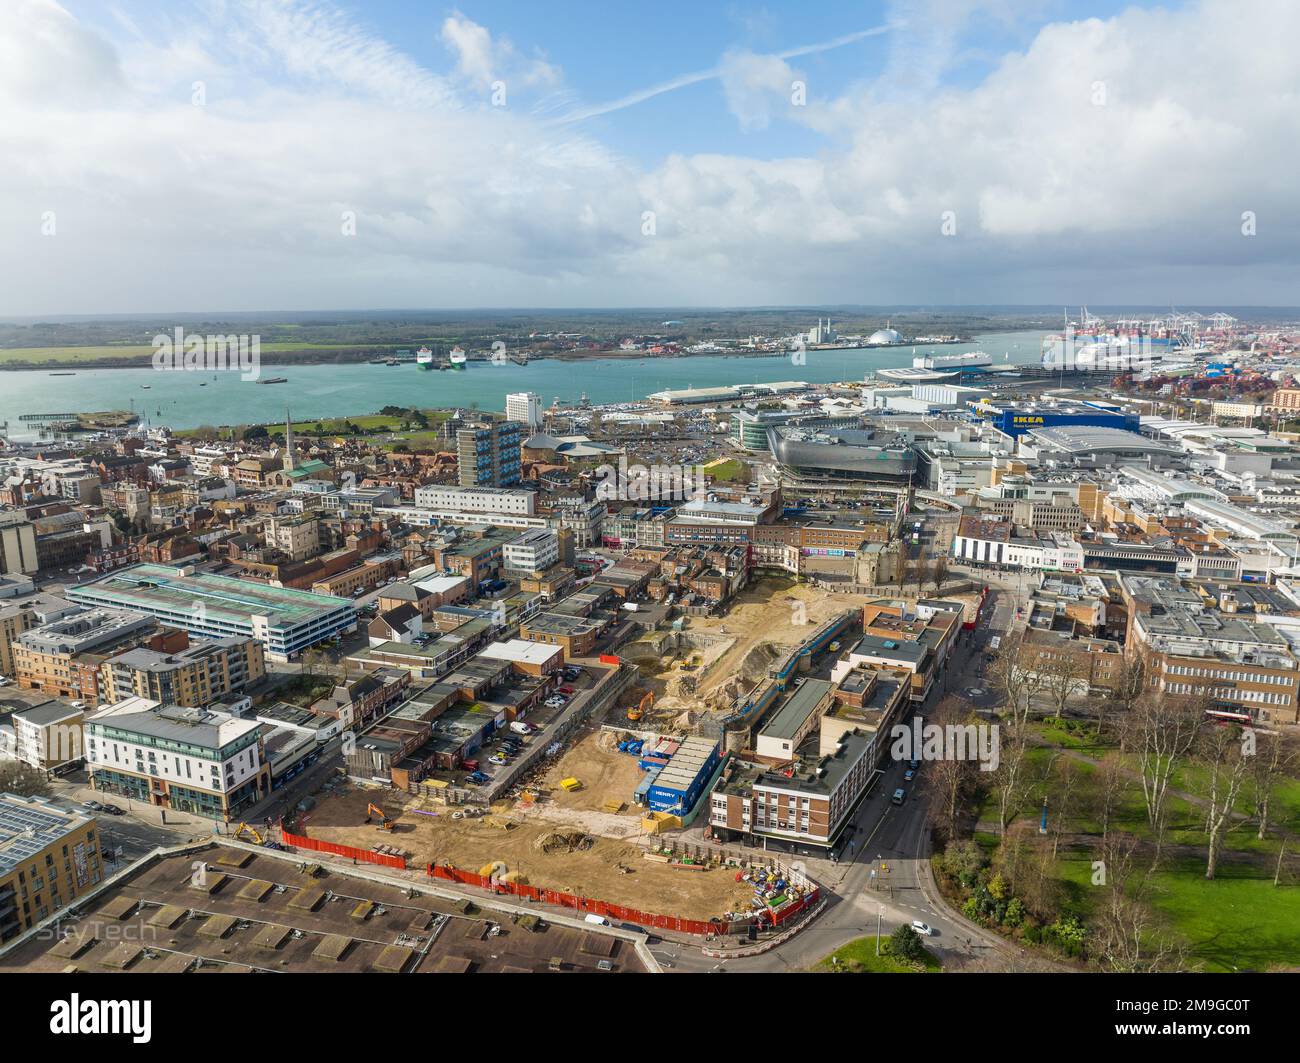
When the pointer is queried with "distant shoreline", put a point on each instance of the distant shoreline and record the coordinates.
(283, 358)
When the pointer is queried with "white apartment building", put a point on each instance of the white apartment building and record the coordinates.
(49, 736)
(534, 551)
(200, 761)
(526, 408)
(507, 500)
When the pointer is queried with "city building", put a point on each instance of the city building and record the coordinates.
(489, 456)
(63, 657)
(534, 551)
(207, 670)
(446, 499)
(526, 408)
(283, 620)
(48, 858)
(48, 737)
(201, 761)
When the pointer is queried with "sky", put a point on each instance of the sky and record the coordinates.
(223, 155)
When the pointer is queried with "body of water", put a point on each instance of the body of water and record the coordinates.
(176, 399)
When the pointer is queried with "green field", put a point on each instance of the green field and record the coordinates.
(144, 352)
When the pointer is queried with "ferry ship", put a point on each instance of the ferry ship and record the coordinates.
(967, 362)
(424, 359)
(457, 358)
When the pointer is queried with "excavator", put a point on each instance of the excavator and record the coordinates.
(252, 832)
(647, 703)
(384, 822)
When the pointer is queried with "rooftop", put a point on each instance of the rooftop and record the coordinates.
(29, 825)
(163, 589)
(257, 911)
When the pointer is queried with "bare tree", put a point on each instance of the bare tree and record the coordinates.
(939, 572)
(1223, 749)
(1127, 937)
(1017, 685)
(1107, 787)
(1060, 675)
(1064, 799)
(1162, 733)
(22, 779)
(951, 781)
(1275, 757)
(1126, 686)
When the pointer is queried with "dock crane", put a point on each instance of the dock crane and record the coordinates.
(384, 822)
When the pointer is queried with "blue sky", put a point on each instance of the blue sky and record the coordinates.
(996, 151)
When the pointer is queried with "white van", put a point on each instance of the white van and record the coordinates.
(597, 920)
(521, 728)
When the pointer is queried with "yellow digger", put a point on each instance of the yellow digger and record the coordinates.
(252, 832)
(647, 703)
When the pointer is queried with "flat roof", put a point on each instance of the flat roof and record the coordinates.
(288, 928)
(797, 708)
(684, 766)
(28, 825)
(163, 589)
(520, 651)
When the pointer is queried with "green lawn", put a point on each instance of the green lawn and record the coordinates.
(1238, 920)
(859, 957)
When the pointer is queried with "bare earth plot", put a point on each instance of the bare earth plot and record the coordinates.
(609, 870)
(767, 616)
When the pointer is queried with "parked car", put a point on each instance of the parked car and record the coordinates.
(113, 810)
(94, 806)
(566, 691)
(498, 758)
(479, 777)
(519, 727)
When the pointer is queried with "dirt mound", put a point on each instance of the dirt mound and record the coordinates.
(564, 842)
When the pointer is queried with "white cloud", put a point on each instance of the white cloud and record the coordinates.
(236, 205)
(481, 60)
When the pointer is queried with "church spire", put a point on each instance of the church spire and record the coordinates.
(289, 457)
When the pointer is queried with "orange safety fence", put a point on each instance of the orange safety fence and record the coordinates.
(707, 928)
(301, 841)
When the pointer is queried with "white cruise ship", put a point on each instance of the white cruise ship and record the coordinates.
(457, 358)
(969, 360)
(424, 359)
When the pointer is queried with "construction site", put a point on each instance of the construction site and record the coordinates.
(602, 815)
(702, 669)
(560, 840)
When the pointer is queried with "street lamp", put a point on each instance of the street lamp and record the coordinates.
(880, 914)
